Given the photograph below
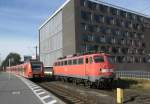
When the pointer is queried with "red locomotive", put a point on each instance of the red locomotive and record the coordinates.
(92, 69)
(31, 69)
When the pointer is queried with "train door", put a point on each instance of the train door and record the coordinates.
(87, 67)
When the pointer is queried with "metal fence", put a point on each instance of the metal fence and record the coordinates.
(133, 75)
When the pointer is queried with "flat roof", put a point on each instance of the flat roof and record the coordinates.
(57, 11)
(96, 1)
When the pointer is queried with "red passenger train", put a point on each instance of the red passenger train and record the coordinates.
(92, 69)
(31, 69)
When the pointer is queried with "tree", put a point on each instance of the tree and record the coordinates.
(14, 58)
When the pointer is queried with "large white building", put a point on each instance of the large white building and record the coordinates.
(87, 25)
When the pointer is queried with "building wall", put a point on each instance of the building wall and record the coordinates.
(112, 30)
(69, 35)
(51, 39)
(84, 25)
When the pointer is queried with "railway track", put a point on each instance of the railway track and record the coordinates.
(72, 94)
(65, 94)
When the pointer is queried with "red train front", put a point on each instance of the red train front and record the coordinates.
(31, 69)
(94, 69)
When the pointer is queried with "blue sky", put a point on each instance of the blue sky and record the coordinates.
(20, 19)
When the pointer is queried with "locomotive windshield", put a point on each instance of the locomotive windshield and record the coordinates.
(36, 66)
(98, 59)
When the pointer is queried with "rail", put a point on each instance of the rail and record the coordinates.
(133, 75)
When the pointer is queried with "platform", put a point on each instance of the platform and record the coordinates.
(18, 90)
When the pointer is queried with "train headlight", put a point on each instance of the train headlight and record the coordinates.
(107, 70)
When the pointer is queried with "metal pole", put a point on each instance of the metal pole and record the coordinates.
(9, 68)
(0, 62)
(36, 52)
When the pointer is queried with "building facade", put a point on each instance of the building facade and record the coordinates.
(90, 25)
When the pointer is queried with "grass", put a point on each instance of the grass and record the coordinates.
(134, 84)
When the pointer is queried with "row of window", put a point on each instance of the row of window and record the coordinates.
(80, 61)
(110, 31)
(110, 10)
(70, 62)
(113, 49)
(112, 40)
(89, 17)
(128, 59)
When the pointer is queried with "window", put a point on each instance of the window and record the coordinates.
(55, 64)
(83, 47)
(84, 37)
(58, 63)
(90, 28)
(70, 62)
(113, 11)
(65, 62)
(98, 59)
(91, 60)
(75, 61)
(82, 2)
(92, 5)
(83, 26)
(61, 63)
(80, 61)
(123, 14)
(87, 61)
(103, 39)
(86, 15)
(99, 18)
(103, 8)
(130, 16)
(90, 38)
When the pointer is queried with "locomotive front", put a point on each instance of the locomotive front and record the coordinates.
(105, 69)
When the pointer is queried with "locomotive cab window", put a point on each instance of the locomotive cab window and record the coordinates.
(36, 66)
(91, 60)
(98, 59)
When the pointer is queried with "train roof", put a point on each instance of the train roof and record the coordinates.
(80, 55)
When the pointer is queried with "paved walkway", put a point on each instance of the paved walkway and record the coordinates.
(17, 91)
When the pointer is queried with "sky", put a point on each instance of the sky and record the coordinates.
(20, 20)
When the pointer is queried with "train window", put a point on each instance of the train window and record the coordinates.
(80, 61)
(65, 62)
(58, 63)
(98, 59)
(87, 61)
(70, 62)
(61, 63)
(55, 64)
(91, 60)
(75, 61)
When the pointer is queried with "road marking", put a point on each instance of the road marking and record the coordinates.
(47, 96)
(16, 92)
(36, 90)
(35, 87)
(41, 93)
(52, 102)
